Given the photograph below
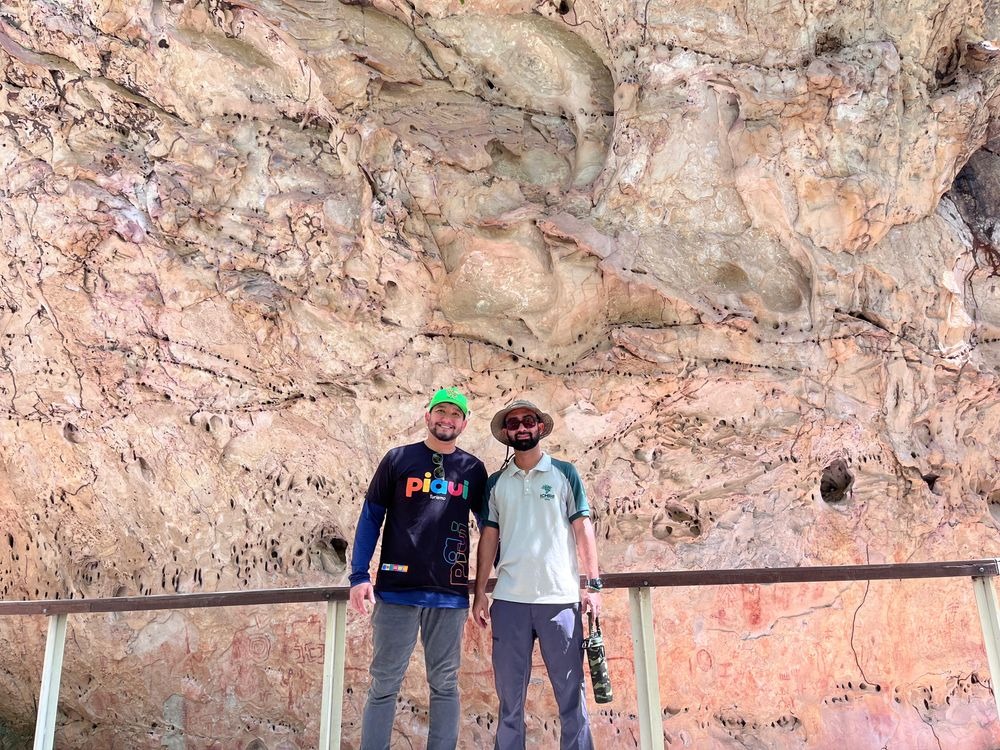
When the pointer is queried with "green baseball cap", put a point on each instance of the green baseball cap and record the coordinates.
(450, 396)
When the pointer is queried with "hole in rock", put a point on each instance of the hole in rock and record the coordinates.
(339, 547)
(930, 480)
(994, 505)
(332, 548)
(836, 481)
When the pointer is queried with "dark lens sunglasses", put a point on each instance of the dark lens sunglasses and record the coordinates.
(438, 460)
(512, 423)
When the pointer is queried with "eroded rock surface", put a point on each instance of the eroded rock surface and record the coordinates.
(746, 254)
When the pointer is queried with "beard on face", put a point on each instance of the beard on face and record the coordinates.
(524, 444)
(443, 432)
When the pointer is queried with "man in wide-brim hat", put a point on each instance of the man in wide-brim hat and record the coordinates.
(538, 508)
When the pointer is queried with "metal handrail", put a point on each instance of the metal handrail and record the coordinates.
(804, 574)
(639, 585)
(177, 601)
(649, 579)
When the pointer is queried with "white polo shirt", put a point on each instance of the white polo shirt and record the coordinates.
(534, 511)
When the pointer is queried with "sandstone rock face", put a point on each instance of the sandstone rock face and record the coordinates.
(746, 253)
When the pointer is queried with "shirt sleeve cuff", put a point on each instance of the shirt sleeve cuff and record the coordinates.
(356, 578)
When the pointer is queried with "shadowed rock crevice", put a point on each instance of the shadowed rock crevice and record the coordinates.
(976, 193)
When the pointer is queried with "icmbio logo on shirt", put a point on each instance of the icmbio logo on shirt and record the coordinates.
(436, 486)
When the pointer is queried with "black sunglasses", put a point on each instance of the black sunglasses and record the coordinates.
(512, 423)
(438, 460)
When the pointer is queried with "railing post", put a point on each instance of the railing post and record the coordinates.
(332, 711)
(647, 676)
(48, 698)
(989, 618)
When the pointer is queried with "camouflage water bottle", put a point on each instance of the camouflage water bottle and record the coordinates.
(593, 645)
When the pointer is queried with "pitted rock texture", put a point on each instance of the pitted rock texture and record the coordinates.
(747, 254)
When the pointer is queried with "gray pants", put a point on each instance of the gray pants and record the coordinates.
(395, 634)
(560, 639)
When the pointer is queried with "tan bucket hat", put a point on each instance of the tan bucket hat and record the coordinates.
(496, 424)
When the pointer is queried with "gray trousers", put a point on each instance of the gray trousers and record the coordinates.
(395, 634)
(560, 639)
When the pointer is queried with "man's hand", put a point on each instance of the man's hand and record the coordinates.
(590, 601)
(360, 595)
(486, 552)
(480, 610)
(586, 548)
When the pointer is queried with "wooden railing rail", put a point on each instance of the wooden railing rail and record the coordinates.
(639, 585)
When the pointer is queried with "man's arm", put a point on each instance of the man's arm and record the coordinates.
(486, 553)
(366, 534)
(365, 539)
(586, 550)
(480, 504)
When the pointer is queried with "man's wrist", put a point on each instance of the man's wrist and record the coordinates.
(594, 585)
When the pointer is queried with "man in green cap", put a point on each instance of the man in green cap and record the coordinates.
(424, 494)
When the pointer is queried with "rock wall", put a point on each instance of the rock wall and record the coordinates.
(746, 253)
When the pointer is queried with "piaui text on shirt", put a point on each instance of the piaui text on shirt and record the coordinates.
(436, 486)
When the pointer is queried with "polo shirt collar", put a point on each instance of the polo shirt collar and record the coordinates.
(545, 464)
